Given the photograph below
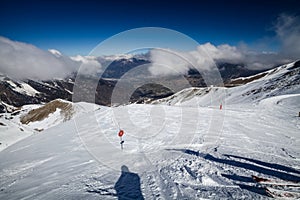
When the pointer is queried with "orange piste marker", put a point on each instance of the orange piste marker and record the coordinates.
(121, 133)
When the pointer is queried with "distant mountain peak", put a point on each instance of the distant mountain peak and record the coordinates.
(55, 52)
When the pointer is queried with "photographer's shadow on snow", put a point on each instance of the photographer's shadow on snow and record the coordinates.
(128, 185)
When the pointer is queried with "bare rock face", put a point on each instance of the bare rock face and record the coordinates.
(66, 109)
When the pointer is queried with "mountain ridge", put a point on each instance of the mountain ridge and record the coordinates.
(17, 93)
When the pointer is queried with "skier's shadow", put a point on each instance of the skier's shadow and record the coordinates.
(128, 185)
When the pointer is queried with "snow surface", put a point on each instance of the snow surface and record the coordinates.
(14, 131)
(11, 133)
(184, 147)
(23, 88)
(172, 163)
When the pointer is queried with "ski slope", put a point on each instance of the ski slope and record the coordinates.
(173, 163)
(181, 147)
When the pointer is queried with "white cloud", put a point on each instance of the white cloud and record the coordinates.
(205, 57)
(21, 61)
(287, 28)
(222, 52)
(167, 62)
(89, 66)
(24, 61)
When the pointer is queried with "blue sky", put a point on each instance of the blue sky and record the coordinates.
(76, 27)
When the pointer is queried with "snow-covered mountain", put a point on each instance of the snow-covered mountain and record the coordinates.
(55, 52)
(183, 147)
(282, 80)
(16, 92)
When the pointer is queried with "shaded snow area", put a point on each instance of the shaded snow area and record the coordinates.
(170, 152)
